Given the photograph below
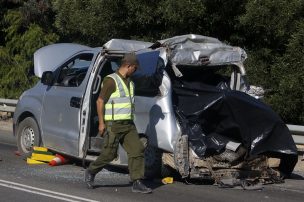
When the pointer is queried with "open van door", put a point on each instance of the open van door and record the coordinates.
(149, 61)
(62, 102)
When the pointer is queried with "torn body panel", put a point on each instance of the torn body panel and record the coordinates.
(214, 116)
(154, 116)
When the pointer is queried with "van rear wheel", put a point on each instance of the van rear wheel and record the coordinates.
(166, 171)
(28, 136)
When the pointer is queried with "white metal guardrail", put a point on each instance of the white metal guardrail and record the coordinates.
(297, 133)
(9, 105)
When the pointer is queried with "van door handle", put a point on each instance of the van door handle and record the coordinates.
(75, 102)
(97, 84)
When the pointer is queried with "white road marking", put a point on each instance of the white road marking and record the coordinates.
(43, 192)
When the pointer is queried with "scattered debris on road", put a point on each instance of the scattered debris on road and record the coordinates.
(167, 180)
(58, 160)
(40, 155)
(17, 153)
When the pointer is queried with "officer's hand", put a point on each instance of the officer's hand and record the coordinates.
(101, 129)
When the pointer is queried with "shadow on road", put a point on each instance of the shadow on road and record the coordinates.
(294, 176)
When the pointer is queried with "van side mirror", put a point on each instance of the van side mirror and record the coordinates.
(47, 78)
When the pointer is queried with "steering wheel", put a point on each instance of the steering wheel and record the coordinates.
(79, 78)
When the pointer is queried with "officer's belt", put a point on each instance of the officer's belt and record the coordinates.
(123, 122)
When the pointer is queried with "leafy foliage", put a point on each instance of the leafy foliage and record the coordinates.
(289, 79)
(273, 36)
(271, 32)
(129, 19)
(22, 39)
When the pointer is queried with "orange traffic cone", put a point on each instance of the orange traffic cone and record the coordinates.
(58, 160)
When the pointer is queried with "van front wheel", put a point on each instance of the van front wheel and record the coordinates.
(28, 136)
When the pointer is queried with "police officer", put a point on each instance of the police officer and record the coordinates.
(115, 114)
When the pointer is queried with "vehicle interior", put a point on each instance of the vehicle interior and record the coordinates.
(146, 84)
(73, 72)
(107, 67)
(198, 85)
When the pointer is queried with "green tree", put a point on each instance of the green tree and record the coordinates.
(288, 98)
(88, 22)
(269, 23)
(269, 30)
(5, 5)
(22, 39)
(95, 22)
(272, 27)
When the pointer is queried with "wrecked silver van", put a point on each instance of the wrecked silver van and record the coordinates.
(192, 108)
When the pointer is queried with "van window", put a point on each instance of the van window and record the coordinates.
(73, 72)
(149, 76)
(212, 76)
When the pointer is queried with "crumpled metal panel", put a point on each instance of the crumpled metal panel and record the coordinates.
(193, 37)
(126, 45)
(193, 49)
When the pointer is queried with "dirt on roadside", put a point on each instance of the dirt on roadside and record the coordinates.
(6, 125)
(6, 121)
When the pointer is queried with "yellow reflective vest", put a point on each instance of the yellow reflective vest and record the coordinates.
(121, 102)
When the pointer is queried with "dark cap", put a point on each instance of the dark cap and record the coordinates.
(130, 58)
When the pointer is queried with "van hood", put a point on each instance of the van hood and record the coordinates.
(48, 58)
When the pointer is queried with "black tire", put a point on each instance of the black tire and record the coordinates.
(166, 171)
(28, 136)
(152, 162)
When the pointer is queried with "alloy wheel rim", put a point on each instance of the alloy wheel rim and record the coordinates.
(27, 139)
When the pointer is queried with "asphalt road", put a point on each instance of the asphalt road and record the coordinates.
(20, 182)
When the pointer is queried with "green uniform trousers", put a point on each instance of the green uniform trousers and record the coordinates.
(125, 133)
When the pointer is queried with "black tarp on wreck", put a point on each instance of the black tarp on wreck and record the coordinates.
(214, 114)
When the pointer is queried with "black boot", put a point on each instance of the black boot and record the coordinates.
(139, 187)
(89, 179)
